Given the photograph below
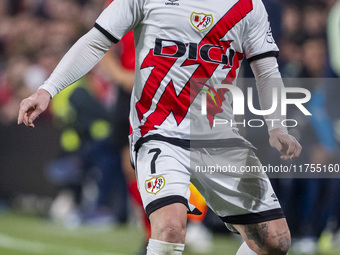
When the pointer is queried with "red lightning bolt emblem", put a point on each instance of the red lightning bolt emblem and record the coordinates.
(179, 104)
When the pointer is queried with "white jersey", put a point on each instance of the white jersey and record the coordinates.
(183, 50)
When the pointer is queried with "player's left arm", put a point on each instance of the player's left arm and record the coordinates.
(267, 78)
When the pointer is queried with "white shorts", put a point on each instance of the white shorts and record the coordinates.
(165, 171)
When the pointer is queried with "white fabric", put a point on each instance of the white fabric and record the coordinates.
(121, 16)
(245, 250)
(156, 247)
(267, 77)
(234, 29)
(230, 179)
(160, 97)
(79, 60)
(258, 36)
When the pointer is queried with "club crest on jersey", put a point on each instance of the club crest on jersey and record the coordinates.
(201, 21)
(155, 184)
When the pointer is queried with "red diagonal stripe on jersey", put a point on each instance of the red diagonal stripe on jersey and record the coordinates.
(179, 105)
(161, 66)
(212, 110)
(169, 102)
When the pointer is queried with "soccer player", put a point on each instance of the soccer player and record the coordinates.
(183, 49)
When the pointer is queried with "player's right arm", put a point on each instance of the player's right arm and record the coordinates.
(113, 23)
(79, 60)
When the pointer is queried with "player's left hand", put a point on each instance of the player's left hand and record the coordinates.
(286, 144)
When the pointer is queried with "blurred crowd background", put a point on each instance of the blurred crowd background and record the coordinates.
(71, 166)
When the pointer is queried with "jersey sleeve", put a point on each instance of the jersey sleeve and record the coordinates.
(258, 41)
(118, 18)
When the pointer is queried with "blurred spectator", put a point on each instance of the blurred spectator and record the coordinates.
(331, 210)
(334, 37)
(90, 157)
(12, 88)
(313, 58)
(314, 19)
(29, 51)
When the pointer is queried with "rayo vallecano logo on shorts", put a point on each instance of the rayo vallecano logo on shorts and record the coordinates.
(155, 184)
(201, 21)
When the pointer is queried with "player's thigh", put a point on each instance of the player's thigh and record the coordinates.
(162, 175)
(235, 195)
(270, 236)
